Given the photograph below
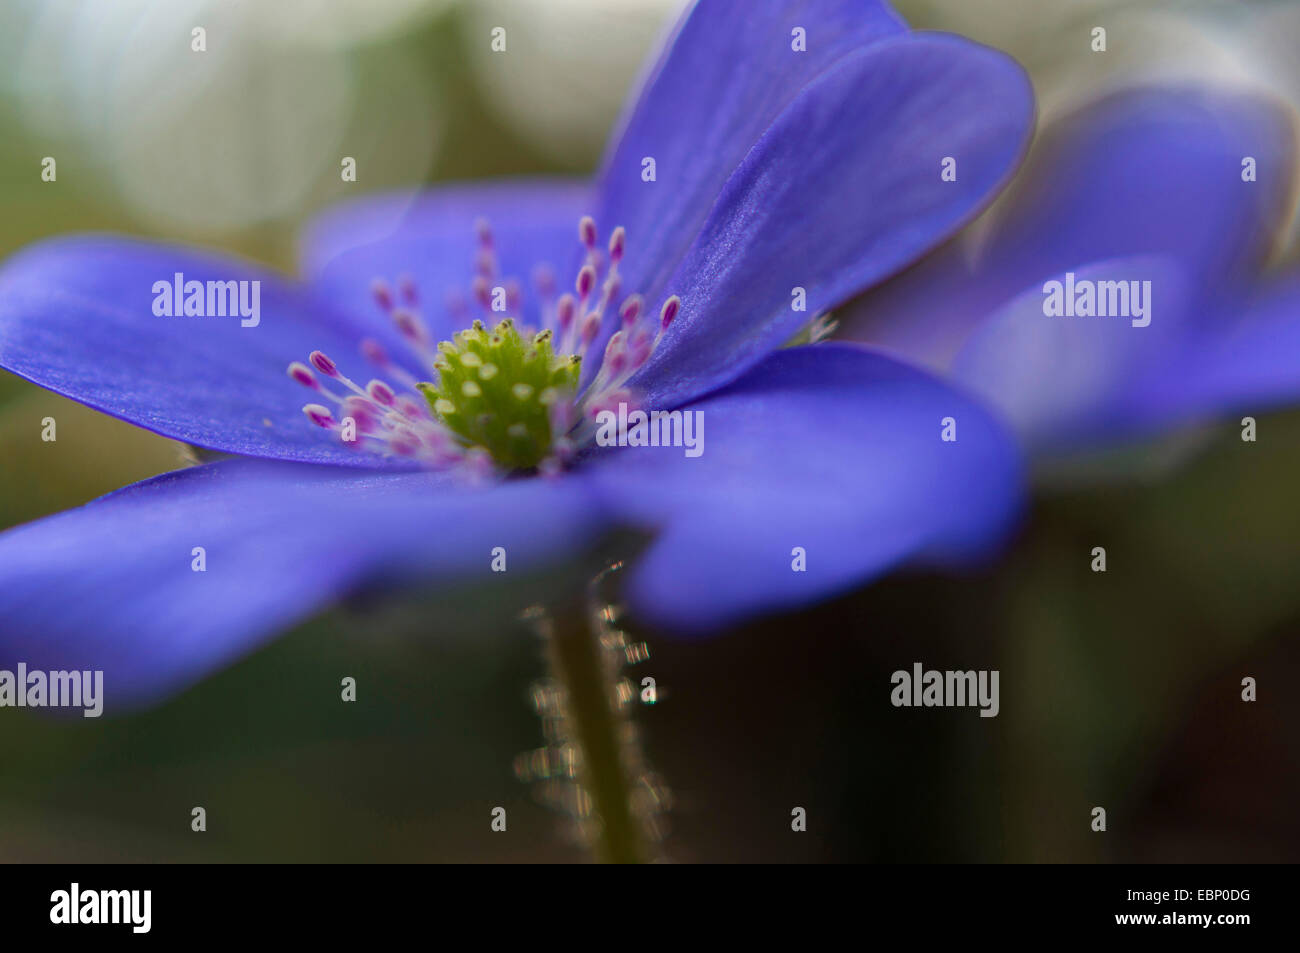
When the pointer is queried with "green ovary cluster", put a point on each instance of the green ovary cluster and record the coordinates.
(495, 390)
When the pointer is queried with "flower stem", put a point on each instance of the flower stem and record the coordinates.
(577, 659)
(593, 766)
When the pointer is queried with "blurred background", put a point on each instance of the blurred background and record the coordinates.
(1119, 689)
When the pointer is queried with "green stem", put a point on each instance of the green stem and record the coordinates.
(588, 678)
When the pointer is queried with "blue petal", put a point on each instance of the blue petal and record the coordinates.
(1247, 361)
(843, 189)
(76, 316)
(430, 236)
(832, 448)
(1065, 381)
(728, 72)
(110, 586)
(927, 312)
(1148, 171)
(1153, 171)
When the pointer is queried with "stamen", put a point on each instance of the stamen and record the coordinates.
(404, 442)
(406, 288)
(615, 356)
(303, 375)
(631, 310)
(544, 281)
(410, 408)
(323, 364)
(382, 294)
(374, 352)
(411, 326)
(586, 281)
(381, 393)
(500, 399)
(457, 307)
(640, 348)
(669, 311)
(363, 412)
(482, 293)
(319, 415)
(564, 312)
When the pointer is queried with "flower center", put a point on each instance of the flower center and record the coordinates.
(503, 395)
(496, 390)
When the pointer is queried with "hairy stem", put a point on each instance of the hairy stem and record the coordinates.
(578, 661)
(593, 767)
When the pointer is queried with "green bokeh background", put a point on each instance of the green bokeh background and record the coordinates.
(1119, 689)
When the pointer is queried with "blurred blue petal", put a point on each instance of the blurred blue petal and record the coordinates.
(833, 448)
(1152, 171)
(1146, 171)
(430, 236)
(1246, 360)
(110, 586)
(1063, 381)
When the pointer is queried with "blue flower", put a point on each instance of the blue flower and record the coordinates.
(1189, 189)
(748, 174)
